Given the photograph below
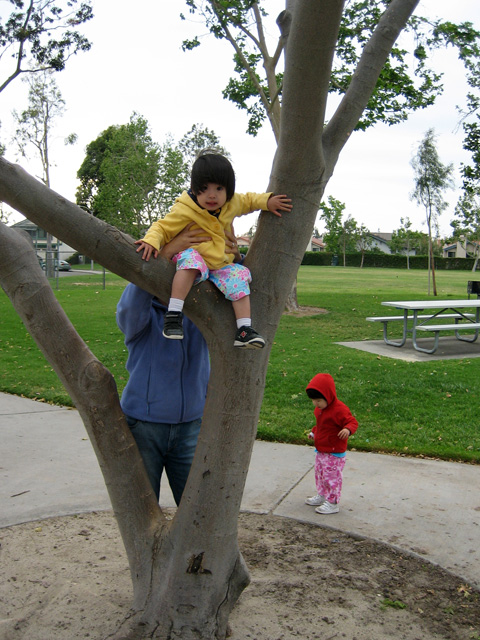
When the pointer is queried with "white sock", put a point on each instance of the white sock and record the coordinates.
(175, 304)
(244, 322)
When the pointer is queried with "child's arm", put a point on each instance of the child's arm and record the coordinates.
(147, 250)
(276, 204)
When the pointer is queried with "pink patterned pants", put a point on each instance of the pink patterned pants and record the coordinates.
(329, 476)
(232, 280)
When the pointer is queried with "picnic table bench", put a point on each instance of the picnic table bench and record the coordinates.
(413, 321)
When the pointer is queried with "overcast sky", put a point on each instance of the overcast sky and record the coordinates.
(136, 64)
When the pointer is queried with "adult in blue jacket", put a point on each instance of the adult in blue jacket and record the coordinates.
(164, 397)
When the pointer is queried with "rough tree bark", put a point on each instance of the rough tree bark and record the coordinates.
(188, 573)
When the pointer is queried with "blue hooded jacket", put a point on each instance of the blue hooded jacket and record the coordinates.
(168, 378)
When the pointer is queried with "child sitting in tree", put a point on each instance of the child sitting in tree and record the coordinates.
(211, 204)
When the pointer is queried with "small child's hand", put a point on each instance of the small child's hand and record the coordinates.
(311, 435)
(147, 250)
(344, 434)
(276, 204)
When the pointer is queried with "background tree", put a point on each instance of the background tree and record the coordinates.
(119, 175)
(34, 128)
(196, 140)
(432, 178)
(348, 237)
(341, 235)
(4, 215)
(332, 217)
(466, 225)
(40, 35)
(188, 572)
(363, 241)
(403, 239)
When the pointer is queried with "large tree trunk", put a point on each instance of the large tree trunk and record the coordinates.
(188, 573)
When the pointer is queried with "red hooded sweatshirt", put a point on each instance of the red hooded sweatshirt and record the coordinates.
(335, 417)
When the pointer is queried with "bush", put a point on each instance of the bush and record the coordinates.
(387, 261)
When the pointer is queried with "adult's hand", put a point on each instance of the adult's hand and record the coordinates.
(231, 245)
(187, 238)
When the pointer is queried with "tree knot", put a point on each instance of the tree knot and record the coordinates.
(195, 564)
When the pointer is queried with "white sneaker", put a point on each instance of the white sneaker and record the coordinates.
(315, 501)
(327, 507)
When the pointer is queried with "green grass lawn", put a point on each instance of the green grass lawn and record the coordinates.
(410, 408)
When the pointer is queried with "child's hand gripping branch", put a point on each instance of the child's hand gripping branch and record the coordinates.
(276, 204)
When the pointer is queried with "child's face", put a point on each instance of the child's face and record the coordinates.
(319, 403)
(213, 197)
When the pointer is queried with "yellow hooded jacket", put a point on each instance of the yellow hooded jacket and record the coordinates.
(185, 210)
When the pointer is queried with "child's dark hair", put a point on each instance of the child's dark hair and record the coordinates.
(313, 394)
(212, 167)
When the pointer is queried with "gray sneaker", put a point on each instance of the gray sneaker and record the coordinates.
(173, 325)
(315, 501)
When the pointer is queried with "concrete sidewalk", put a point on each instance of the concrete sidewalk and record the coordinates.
(427, 507)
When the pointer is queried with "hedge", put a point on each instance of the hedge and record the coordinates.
(385, 260)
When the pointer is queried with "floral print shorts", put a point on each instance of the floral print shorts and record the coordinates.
(232, 280)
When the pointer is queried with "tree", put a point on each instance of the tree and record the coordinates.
(403, 239)
(364, 241)
(341, 235)
(432, 178)
(34, 124)
(26, 36)
(332, 217)
(119, 174)
(188, 572)
(466, 225)
(34, 128)
(197, 139)
(257, 86)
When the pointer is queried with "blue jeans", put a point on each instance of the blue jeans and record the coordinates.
(166, 446)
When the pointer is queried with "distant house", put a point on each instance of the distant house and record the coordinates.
(380, 242)
(461, 249)
(243, 241)
(316, 244)
(39, 240)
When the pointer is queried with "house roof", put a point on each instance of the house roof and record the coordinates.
(385, 237)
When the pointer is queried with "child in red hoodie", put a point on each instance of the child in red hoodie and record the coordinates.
(334, 425)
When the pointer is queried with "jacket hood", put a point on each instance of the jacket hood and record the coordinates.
(323, 382)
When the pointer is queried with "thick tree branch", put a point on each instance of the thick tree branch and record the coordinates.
(307, 76)
(93, 390)
(363, 82)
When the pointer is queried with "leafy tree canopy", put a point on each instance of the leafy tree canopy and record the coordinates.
(40, 35)
(401, 89)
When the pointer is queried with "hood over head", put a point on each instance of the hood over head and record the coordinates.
(324, 383)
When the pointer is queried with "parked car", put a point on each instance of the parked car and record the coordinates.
(61, 265)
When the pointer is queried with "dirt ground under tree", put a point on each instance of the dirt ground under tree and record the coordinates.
(66, 578)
